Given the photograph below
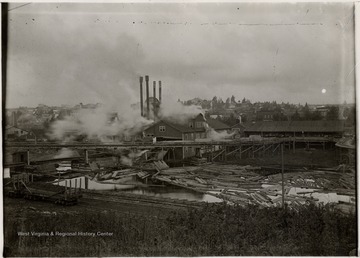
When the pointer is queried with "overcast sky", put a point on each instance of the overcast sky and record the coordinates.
(70, 53)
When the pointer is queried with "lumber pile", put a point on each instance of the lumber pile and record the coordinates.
(244, 185)
(160, 165)
(317, 179)
(115, 175)
(213, 176)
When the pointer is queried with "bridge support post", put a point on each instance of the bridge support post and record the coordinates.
(86, 183)
(28, 157)
(294, 145)
(86, 157)
(212, 153)
(264, 150)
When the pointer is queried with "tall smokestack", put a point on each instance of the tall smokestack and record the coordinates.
(147, 96)
(160, 91)
(141, 96)
(154, 87)
(154, 98)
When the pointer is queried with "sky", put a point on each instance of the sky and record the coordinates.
(67, 53)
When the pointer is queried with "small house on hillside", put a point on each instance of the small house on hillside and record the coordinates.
(12, 132)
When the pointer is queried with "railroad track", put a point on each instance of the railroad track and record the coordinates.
(142, 200)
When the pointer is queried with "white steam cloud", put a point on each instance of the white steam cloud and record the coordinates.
(116, 117)
(218, 136)
(131, 157)
(66, 153)
(176, 112)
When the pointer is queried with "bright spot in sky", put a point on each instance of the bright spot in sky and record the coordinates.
(323, 91)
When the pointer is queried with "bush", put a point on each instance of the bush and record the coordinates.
(220, 230)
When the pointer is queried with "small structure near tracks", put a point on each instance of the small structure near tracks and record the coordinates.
(23, 186)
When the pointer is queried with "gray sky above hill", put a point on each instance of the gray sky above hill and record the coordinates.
(69, 53)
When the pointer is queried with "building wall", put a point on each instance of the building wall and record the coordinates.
(15, 132)
(169, 132)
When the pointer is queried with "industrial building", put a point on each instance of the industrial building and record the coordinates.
(318, 128)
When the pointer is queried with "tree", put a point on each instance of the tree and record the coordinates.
(227, 103)
(333, 113)
(351, 119)
(231, 120)
(233, 99)
(316, 115)
(307, 113)
(346, 112)
(296, 116)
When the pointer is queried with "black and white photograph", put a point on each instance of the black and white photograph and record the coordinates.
(180, 129)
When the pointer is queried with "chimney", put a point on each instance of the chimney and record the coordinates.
(141, 96)
(160, 91)
(147, 97)
(154, 98)
(154, 85)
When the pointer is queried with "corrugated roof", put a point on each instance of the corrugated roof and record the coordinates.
(297, 126)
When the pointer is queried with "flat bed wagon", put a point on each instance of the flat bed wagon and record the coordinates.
(24, 187)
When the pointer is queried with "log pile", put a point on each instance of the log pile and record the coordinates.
(244, 185)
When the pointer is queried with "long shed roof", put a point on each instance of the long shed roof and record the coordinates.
(297, 126)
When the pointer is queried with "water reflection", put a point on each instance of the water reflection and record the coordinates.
(132, 187)
(91, 184)
(174, 193)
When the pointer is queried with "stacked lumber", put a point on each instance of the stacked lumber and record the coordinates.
(118, 174)
(142, 174)
(244, 185)
(317, 179)
(160, 165)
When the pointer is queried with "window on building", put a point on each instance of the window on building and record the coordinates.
(203, 135)
(191, 124)
(186, 136)
(192, 136)
(199, 124)
(197, 135)
(186, 149)
(162, 128)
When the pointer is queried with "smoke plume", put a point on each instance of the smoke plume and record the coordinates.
(217, 136)
(176, 112)
(66, 153)
(116, 117)
(131, 157)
